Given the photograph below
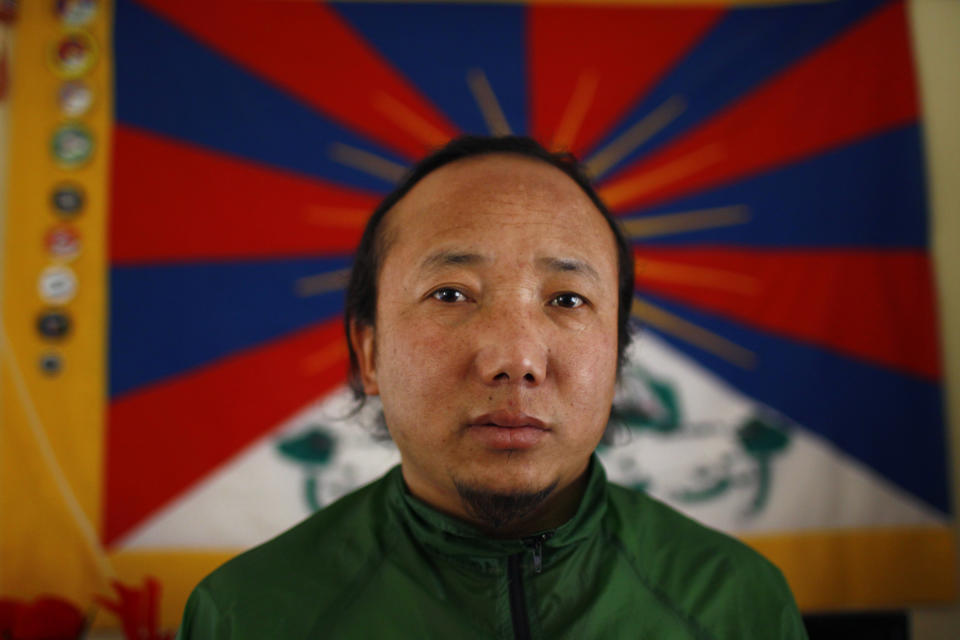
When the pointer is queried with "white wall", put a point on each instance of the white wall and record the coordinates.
(936, 37)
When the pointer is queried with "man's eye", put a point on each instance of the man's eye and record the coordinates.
(567, 300)
(448, 294)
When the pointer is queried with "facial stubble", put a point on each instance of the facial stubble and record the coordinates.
(500, 510)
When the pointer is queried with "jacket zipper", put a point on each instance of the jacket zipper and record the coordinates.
(518, 603)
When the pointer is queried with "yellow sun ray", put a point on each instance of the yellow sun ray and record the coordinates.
(705, 277)
(322, 282)
(623, 191)
(322, 359)
(683, 221)
(409, 120)
(487, 101)
(576, 110)
(367, 162)
(695, 335)
(627, 142)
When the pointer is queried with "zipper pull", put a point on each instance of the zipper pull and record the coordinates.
(536, 542)
(537, 557)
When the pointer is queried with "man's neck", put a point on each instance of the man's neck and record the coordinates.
(556, 508)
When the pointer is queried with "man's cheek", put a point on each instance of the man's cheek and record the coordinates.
(435, 356)
(592, 356)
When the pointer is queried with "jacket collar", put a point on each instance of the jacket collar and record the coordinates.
(450, 536)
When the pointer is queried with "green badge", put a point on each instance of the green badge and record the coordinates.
(72, 145)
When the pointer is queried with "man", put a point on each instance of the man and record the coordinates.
(488, 309)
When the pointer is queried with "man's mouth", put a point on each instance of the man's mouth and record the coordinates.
(508, 420)
(508, 430)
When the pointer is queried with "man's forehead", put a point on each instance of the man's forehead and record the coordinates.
(446, 257)
(489, 190)
(495, 172)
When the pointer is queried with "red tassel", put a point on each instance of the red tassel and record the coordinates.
(46, 618)
(138, 610)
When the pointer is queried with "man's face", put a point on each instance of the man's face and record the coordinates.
(495, 346)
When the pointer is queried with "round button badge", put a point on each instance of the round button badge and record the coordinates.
(63, 242)
(76, 13)
(67, 199)
(51, 363)
(53, 324)
(72, 145)
(75, 98)
(8, 11)
(73, 54)
(57, 285)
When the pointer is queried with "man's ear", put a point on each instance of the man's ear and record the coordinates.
(362, 339)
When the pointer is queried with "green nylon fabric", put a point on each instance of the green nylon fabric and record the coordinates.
(381, 564)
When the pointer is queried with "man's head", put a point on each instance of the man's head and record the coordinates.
(488, 308)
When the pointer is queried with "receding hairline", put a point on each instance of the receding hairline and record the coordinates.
(386, 233)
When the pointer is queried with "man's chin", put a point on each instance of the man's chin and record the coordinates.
(501, 508)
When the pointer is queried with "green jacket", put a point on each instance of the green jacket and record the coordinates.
(381, 564)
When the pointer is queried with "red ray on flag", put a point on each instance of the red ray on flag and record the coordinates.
(236, 209)
(859, 84)
(306, 49)
(589, 65)
(165, 437)
(873, 304)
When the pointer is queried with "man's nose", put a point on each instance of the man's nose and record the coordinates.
(512, 348)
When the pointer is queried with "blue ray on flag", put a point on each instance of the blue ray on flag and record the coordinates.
(890, 421)
(195, 94)
(868, 194)
(436, 45)
(747, 47)
(167, 319)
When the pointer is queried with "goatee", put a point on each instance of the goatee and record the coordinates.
(497, 510)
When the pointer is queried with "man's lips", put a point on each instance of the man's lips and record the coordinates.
(507, 420)
(508, 430)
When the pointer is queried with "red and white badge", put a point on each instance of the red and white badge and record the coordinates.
(63, 242)
(73, 54)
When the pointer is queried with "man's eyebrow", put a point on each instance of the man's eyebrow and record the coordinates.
(448, 258)
(573, 265)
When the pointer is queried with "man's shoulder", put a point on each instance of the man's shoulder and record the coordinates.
(340, 538)
(650, 526)
(700, 572)
(280, 588)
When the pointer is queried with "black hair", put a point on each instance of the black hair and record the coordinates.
(361, 301)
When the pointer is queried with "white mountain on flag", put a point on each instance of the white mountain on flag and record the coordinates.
(683, 434)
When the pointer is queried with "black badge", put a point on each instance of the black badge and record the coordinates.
(51, 363)
(67, 199)
(53, 324)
